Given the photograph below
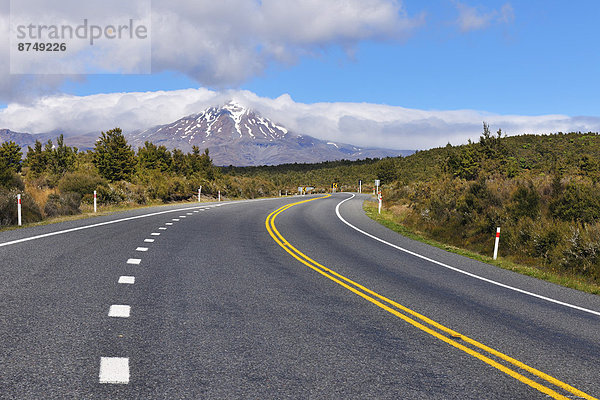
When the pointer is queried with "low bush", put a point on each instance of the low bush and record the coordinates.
(63, 204)
(30, 211)
(82, 183)
(10, 180)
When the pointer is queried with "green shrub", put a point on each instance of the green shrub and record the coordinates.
(81, 183)
(107, 195)
(577, 202)
(582, 256)
(525, 202)
(62, 204)
(545, 240)
(30, 211)
(11, 180)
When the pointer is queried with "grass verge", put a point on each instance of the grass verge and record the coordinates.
(87, 211)
(391, 221)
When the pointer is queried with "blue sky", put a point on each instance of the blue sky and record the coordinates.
(518, 58)
(544, 61)
(547, 60)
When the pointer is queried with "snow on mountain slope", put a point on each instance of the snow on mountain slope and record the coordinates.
(240, 136)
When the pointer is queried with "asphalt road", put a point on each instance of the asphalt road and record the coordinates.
(219, 309)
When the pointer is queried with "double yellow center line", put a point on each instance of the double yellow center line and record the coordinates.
(447, 335)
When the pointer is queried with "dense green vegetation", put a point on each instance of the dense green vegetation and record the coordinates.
(542, 190)
(55, 179)
(320, 175)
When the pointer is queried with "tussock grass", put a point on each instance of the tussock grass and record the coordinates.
(393, 221)
(40, 195)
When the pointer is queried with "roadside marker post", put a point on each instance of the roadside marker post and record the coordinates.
(380, 197)
(360, 186)
(219, 195)
(199, 194)
(19, 209)
(497, 241)
(377, 182)
(95, 201)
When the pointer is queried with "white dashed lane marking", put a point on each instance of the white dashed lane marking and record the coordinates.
(114, 370)
(119, 311)
(127, 279)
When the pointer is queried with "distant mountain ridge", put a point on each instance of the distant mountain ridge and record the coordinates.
(234, 135)
(20, 138)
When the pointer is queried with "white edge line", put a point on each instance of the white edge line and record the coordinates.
(337, 211)
(80, 228)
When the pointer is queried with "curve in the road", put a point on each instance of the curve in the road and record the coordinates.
(441, 264)
(453, 337)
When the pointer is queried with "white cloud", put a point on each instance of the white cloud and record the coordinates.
(474, 18)
(356, 123)
(224, 43)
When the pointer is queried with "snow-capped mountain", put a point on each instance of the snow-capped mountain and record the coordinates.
(236, 135)
(216, 125)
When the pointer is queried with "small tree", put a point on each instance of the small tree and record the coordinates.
(113, 157)
(154, 157)
(36, 159)
(10, 154)
(201, 163)
(6, 174)
(180, 165)
(463, 163)
(62, 158)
